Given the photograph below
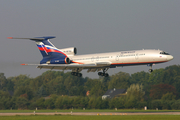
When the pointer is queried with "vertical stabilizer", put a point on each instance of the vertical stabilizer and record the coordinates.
(47, 49)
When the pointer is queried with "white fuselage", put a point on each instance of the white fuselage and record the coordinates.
(124, 58)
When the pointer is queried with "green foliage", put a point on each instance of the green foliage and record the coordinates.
(49, 103)
(156, 104)
(159, 89)
(168, 96)
(176, 105)
(22, 103)
(3, 81)
(135, 91)
(40, 103)
(139, 78)
(98, 89)
(120, 80)
(58, 103)
(166, 104)
(22, 90)
(156, 76)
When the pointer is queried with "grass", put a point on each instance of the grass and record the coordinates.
(134, 117)
(91, 110)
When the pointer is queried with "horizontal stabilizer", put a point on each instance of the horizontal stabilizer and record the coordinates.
(34, 39)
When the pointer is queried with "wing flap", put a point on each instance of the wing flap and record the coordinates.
(103, 63)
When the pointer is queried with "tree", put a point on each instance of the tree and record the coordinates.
(59, 103)
(3, 81)
(40, 103)
(168, 96)
(24, 90)
(10, 85)
(157, 91)
(176, 105)
(42, 91)
(140, 78)
(120, 80)
(136, 91)
(156, 104)
(22, 103)
(98, 89)
(5, 100)
(156, 76)
(21, 80)
(49, 103)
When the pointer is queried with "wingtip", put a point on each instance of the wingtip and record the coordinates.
(23, 64)
(9, 37)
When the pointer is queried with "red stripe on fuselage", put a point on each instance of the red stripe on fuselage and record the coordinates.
(138, 63)
(50, 50)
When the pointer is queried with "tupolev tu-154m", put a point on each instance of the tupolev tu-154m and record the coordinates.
(66, 59)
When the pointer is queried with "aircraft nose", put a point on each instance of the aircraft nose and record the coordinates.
(169, 57)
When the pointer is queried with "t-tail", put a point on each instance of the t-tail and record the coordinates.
(51, 54)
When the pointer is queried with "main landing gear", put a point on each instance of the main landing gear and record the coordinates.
(76, 72)
(103, 73)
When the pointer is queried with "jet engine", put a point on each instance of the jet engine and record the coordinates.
(69, 51)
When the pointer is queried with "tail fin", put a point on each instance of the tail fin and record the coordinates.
(47, 49)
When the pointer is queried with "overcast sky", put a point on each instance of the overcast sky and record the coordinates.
(92, 26)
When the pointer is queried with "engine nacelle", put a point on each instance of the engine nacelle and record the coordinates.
(69, 51)
(59, 61)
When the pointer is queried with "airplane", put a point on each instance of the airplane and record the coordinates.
(66, 59)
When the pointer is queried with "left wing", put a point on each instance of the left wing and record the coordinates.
(92, 67)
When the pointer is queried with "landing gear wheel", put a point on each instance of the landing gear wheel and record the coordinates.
(79, 75)
(103, 74)
(73, 73)
(100, 73)
(76, 74)
(106, 75)
(150, 70)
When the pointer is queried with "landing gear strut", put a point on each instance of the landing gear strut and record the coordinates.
(103, 73)
(76, 73)
(151, 70)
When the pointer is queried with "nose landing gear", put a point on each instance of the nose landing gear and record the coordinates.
(150, 70)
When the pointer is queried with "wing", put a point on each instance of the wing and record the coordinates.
(92, 67)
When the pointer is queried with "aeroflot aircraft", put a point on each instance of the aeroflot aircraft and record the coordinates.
(66, 59)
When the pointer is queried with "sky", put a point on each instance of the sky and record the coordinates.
(92, 26)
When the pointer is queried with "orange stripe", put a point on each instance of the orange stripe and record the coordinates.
(77, 62)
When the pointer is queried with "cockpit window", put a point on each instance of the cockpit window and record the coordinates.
(164, 53)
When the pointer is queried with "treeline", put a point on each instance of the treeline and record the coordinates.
(59, 90)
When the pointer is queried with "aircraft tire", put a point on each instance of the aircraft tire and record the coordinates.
(106, 75)
(99, 73)
(79, 75)
(73, 73)
(150, 70)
